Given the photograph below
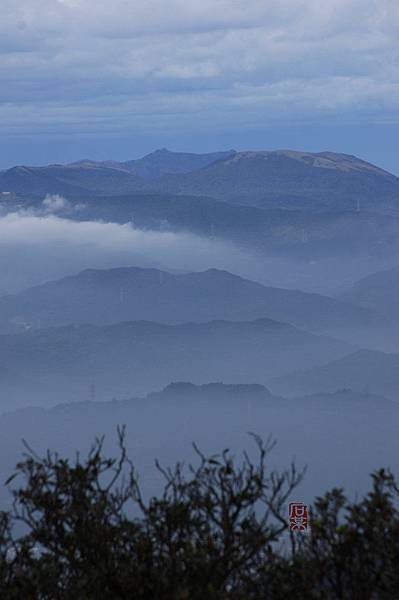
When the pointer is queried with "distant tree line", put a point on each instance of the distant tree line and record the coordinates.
(218, 531)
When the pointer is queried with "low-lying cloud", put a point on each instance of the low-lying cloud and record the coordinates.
(47, 246)
(53, 203)
(47, 243)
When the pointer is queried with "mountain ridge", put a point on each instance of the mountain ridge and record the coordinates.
(378, 291)
(133, 293)
(363, 370)
(287, 178)
(133, 357)
(274, 178)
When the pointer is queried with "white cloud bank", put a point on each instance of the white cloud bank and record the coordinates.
(48, 247)
(53, 203)
(36, 247)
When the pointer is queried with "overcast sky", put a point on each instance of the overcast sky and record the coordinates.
(119, 78)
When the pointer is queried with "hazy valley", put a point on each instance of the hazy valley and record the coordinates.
(230, 272)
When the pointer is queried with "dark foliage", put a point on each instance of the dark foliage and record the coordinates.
(218, 531)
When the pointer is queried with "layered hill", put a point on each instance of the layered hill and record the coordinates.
(133, 294)
(363, 371)
(318, 431)
(379, 291)
(134, 357)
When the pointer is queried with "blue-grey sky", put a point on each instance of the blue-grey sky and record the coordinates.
(119, 78)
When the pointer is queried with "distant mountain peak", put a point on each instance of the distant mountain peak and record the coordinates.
(321, 160)
(164, 162)
(280, 178)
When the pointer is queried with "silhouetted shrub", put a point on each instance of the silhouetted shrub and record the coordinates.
(219, 530)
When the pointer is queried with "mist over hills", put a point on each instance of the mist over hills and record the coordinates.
(316, 430)
(332, 218)
(379, 291)
(367, 371)
(286, 224)
(323, 219)
(313, 251)
(16, 389)
(134, 294)
(134, 357)
(304, 235)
